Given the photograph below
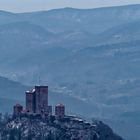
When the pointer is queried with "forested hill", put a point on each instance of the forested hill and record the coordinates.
(67, 128)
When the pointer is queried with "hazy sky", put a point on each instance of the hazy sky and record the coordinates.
(35, 5)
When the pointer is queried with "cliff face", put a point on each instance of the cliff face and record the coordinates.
(67, 128)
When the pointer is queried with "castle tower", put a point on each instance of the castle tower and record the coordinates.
(60, 110)
(41, 100)
(17, 109)
(30, 101)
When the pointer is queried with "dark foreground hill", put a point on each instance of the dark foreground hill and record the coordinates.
(67, 128)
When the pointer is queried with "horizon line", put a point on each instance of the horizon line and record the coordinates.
(66, 7)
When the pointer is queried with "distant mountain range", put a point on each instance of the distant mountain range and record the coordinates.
(91, 57)
(10, 93)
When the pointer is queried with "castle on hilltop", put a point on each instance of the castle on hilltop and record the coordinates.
(37, 103)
